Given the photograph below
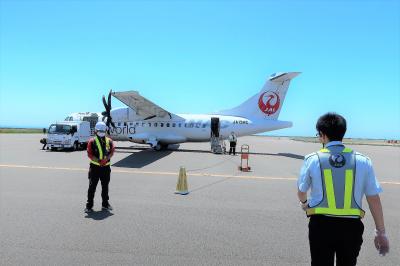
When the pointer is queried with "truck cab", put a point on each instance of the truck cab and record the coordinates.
(68, 135)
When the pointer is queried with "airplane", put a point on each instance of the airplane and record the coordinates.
(144, 122)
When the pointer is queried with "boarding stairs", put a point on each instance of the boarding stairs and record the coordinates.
(217, 145)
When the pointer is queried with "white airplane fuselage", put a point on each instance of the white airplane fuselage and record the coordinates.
(192, 128)
(142, 121)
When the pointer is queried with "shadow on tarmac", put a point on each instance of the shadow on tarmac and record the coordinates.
(290, 155)
(175, 149)
(284, 154)
(142, 158)
(99, 215)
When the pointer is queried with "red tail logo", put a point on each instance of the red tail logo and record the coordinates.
(269, 102)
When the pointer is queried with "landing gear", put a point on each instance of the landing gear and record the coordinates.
(160, 147)
(157, 147)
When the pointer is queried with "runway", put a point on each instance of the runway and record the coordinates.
(228, 218)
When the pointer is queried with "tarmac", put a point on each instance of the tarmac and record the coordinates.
(228, 218)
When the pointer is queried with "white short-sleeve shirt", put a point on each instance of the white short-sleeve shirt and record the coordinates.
(310, 178)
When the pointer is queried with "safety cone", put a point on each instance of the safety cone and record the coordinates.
(181, 186)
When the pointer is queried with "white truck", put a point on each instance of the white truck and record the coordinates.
(68, 135)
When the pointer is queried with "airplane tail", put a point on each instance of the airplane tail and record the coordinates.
(266, 104)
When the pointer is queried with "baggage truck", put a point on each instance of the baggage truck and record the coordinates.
(68, 135)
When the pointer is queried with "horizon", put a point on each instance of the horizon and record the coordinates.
(257, 135)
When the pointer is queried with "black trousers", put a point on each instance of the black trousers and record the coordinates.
(232, 147)
(332, 235)
(97, 173)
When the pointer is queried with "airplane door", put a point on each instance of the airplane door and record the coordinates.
(215, 127)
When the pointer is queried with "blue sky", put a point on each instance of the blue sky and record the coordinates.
(202, 56)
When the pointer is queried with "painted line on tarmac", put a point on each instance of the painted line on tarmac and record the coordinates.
(146, 172)
(164, 173)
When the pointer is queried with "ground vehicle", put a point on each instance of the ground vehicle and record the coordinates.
(68, 135)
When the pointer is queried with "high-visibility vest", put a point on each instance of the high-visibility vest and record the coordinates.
(338, 178)
(101, 153)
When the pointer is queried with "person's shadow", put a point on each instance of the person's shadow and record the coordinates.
(99, 215)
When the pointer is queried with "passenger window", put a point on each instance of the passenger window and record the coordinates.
(161, 124)
(173, 124)
(155, 124)
(179, 124)
(119, 124)
(137, 124)
(167, 124)
(204, 125)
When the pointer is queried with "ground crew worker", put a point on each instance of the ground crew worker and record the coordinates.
(44, 142)
(99, 149)
(338, 178)
(232, 143)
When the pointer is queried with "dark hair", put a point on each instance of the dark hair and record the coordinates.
(332, 125)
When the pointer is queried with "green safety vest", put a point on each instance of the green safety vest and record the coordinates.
(338, 177)
(101, 153)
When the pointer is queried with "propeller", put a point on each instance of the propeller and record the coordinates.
(107, 113)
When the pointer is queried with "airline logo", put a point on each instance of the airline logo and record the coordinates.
(269, 102)
(337, 160)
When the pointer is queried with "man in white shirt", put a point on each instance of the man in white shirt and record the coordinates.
(338, 178)
(232, 143)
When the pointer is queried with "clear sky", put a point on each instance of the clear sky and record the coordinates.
(59, 57)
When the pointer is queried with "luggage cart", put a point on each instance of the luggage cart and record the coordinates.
(244, 158)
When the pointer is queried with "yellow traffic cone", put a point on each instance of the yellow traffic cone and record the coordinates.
(181, 186)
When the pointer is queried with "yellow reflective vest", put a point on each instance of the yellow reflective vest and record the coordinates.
(338, 177)
(101, 152)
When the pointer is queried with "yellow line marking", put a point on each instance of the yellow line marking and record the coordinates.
(389, 183)
(164, 173)
(145, 172)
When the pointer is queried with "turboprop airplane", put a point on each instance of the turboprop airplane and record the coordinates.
(147, 123)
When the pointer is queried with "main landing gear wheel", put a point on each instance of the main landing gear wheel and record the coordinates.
(160, 147)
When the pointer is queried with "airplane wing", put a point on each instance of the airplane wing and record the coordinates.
(141, 105)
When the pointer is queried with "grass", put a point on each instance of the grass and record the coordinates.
(21, 130)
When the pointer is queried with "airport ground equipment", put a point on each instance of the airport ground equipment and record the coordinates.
(217, 145)
(68, 135)
(244, 158)
(91, 117)
(216, 140)
(182, 186)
